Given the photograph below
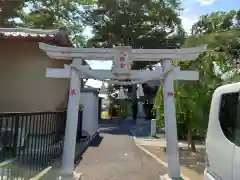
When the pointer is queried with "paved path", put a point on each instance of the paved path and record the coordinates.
(161, 143)
(118, 158)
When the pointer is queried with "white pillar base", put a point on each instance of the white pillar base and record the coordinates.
(73, 176)
(166, 177)
(140, 114)
(153, 127)
(65, 177)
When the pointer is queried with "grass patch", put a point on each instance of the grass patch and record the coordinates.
(105, 115)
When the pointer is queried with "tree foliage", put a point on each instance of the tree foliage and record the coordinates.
(193, 99)
(138, 23)
(124, 22)
(45, 14)
(8, 11)
(217, 22)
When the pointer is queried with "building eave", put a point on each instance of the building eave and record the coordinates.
(52, 37)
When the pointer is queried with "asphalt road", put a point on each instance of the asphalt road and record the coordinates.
(113, 155)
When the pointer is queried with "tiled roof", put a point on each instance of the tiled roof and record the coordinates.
(57, 37)
(24, 32)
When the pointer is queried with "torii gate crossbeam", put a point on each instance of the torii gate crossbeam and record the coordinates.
(122, 59)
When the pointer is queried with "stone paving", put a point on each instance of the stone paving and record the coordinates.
(113, 155)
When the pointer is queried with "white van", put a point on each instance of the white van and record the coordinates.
(223, 135)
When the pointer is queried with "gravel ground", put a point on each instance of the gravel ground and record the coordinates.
(192, 164)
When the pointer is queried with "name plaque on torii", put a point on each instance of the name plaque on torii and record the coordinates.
(122, 61)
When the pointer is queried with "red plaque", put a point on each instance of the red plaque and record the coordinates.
(122, 57)
(73, 92)
(170, 94)
(122, 65)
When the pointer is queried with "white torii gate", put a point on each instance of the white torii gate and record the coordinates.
(123, 57)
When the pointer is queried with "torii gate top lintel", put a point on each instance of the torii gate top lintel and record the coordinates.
(184, 54)
(123, 57)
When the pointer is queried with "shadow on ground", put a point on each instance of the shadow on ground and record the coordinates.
(194, 161)
(106, 127)
(118, 130)
(96, 141)
(113, 121)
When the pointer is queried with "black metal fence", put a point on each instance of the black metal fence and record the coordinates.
(29, 142)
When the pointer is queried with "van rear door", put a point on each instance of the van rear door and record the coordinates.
(220, 142)
(236, 158)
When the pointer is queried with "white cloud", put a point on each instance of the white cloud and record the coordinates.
(188, 21)
(186, 10)
(94, 83)
(207, 2)
(188, 15)
(96, 64)
(87, 32)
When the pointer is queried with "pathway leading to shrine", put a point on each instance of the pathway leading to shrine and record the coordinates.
(113, 155)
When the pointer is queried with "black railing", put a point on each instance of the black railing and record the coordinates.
(29, 142)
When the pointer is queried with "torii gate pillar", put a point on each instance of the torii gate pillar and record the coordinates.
(170, 122)
(71, 124)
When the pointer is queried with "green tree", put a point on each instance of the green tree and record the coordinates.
(9, 11)
(50, 14)
(128, 22)
(193, 99)
(45, 14)
(217, 22)
(139, 23)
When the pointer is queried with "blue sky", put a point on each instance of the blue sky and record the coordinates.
(193, 9)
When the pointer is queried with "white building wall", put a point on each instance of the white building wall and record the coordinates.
(90, 112)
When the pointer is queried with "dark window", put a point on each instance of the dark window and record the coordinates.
(228, 115)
